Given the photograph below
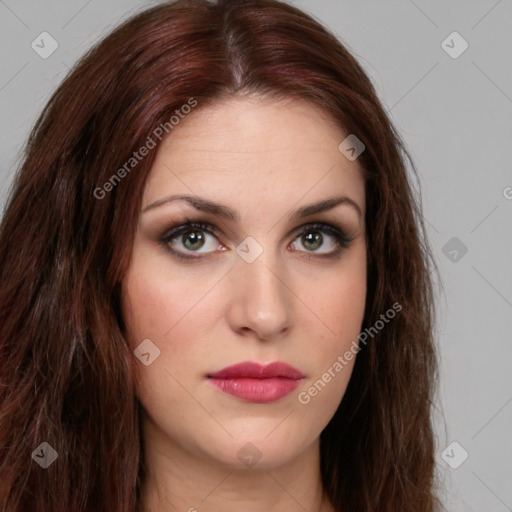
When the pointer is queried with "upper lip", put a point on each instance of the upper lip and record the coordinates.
(250, 369)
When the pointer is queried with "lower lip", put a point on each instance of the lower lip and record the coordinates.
(259, 391)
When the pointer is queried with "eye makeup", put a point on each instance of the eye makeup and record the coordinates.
(341, 240)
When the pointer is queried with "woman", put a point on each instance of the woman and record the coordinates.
(215, 283)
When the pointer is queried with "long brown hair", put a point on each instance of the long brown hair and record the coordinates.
(66, 370)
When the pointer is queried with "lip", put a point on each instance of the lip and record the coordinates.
(253, 382)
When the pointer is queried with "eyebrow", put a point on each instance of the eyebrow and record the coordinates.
(206, 205)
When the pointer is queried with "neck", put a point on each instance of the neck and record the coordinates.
(177, 479)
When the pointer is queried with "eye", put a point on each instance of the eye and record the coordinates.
(191, 236)
(312, 237)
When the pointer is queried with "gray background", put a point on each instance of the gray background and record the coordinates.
(455, 116)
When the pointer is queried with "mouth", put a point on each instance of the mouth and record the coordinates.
(256, 383)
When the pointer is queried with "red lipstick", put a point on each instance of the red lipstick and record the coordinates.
(257, 383)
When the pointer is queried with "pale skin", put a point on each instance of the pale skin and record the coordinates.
(265, 160)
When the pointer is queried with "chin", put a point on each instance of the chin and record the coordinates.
(258, 451)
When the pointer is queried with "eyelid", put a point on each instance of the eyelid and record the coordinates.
(191, 224)
(342, 238)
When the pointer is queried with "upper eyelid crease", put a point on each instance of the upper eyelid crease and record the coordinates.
(212, 229)
(205, 205)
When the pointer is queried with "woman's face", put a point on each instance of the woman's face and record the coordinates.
(256, 285)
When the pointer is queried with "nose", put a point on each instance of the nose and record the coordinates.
(261, 298)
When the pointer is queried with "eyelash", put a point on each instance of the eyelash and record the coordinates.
(342, 239)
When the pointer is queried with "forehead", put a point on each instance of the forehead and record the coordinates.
(258, 149)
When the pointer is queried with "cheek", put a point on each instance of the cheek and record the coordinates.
(152, 312)
(342, 307)
(156, 301)
(155, 311)
(348, 297)
(339, 304)
(337, 301)
(145, 304)
(163, 306)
